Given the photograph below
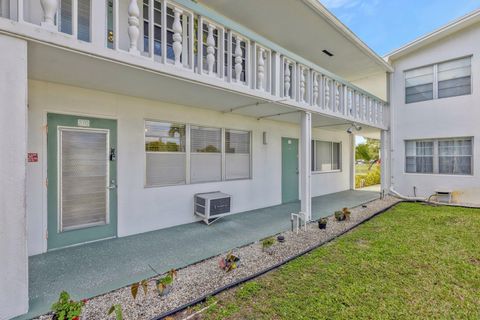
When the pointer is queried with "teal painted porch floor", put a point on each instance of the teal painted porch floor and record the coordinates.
(96, 268)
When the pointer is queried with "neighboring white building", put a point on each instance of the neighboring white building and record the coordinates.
(434, 98)
(108, 131)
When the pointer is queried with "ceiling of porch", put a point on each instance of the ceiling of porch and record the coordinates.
(311, 29)
(56, 65)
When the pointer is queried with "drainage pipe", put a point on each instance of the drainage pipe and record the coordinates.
(262, 272)
(427, 200)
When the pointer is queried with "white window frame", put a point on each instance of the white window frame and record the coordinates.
(314, 156)
(436, 157)
(188, 152)
(435, 79)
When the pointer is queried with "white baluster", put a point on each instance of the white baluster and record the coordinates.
(337, 97)
(210, 49)
(315, 89)
(133, 26)
(286, 79)
(260, 68)
(49, 10)
(327, 93)
(177, 35)
(238, 59)
(302, 84)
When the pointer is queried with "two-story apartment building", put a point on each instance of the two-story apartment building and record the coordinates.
(114, 113)
(434, 94)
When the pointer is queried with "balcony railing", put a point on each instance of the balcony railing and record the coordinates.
(171, 34)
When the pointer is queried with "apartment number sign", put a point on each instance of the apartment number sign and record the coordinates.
(83, 123)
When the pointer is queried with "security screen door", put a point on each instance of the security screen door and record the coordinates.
(81, 180)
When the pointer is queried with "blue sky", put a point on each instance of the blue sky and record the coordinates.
(385, 25)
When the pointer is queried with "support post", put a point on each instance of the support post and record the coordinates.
(13, 143)
(385, 161)
(305, 165)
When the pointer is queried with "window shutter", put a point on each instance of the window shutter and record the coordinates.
(206, 157)
(237, 157)
(454, 78)
(419, 84)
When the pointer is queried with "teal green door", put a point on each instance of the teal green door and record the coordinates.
(82, 175)
(289, 170)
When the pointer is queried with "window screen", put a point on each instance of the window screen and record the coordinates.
(419, 84)
(206, 154)
(166, 157)
(237, 154)
(454, 78)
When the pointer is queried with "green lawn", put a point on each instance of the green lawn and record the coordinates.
(412, 262)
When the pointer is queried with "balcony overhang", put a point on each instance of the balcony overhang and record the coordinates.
(305, 27)
(57, 65)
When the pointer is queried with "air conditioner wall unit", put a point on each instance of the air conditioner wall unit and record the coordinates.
(212, 205)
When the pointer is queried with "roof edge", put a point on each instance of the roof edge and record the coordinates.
(347, 33)
(443, 31)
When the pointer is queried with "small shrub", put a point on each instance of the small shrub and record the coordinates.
(229, 263)
(372, 177)
(67, 309)
(346, 213)
(339, 215)
(268, 242)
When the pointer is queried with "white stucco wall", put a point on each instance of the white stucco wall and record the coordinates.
(376, 84)
(13, 120)
(143, 209)
(441, 118)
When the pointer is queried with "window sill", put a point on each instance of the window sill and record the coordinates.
(324, 172)
(438, 174)
(194, 183)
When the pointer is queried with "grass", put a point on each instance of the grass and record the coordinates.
(412, 262)
(362, 169)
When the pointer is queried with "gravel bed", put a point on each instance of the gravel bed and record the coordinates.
(205, 277)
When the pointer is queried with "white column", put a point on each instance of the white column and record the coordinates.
(385, 147)
(210, 49)
(238, 59)
(351, 161)
(305, 165)
(49, 11)
(13, 143)
(177, 35)
(134, 26)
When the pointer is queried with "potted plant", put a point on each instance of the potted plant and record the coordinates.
(322, 223)
(346, 213)
(67, 309)
(267, 245)
(230, 262)
(339, 215)
(164, 284)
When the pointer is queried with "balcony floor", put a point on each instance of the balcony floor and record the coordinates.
(96, 268)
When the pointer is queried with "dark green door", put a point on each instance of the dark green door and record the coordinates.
(82, 175)
(289, 170)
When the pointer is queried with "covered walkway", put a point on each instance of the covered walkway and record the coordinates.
(96, 268)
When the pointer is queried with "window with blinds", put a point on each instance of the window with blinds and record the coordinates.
(419, 84)
(165, 153)
(210, 154)
(206, 154)
(440, 156)
(237, 157)
(84, 8)
(326, 156)
(454, 78)
(442, 80)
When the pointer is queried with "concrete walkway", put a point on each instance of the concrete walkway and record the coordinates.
(96, 268)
